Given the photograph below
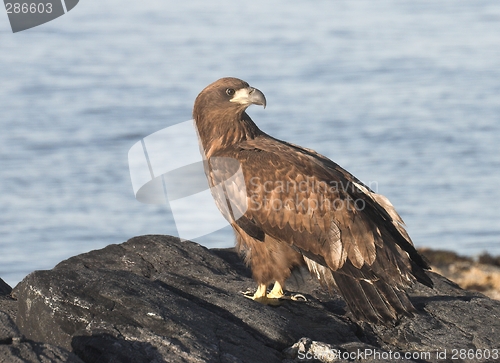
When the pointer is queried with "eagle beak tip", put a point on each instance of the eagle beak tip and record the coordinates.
(257, 97)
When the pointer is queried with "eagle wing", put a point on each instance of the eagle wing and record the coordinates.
(352, 239)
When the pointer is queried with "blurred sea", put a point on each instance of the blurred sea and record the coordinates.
(408, 93)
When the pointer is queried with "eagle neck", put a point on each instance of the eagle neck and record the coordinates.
(226, 132)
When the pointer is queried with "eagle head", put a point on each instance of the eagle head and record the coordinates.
(228, 95)
(219, 113)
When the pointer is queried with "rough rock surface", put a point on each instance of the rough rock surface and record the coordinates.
(156, 299)
(14, 348)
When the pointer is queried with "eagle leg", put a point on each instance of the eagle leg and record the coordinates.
(276, 292)
(260, 293)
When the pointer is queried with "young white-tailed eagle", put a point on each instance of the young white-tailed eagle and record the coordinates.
(300, 208)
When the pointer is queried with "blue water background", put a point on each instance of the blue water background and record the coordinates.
(403, 94)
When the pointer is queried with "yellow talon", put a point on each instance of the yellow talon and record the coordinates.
(260, 293)
(276, 292)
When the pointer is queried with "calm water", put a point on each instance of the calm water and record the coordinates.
(404, 94)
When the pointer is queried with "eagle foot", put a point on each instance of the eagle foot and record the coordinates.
(275, 297)
(266, 300)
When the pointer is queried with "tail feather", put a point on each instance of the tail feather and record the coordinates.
(398, 299)
(421, 276)
(356, 299)
(369, 299)
(372, 302)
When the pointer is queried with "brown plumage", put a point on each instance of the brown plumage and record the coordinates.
(300, 208)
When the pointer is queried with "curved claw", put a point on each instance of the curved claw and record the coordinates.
(298, 297)
(248, 294)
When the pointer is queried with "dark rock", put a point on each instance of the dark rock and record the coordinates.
(8, 329)
(15, 349)
(487, 259)
(442, 257)
(5, 289)
(7, 304)
(156, 299)
(31, 352)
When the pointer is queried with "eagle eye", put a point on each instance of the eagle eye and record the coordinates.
(230, 91)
